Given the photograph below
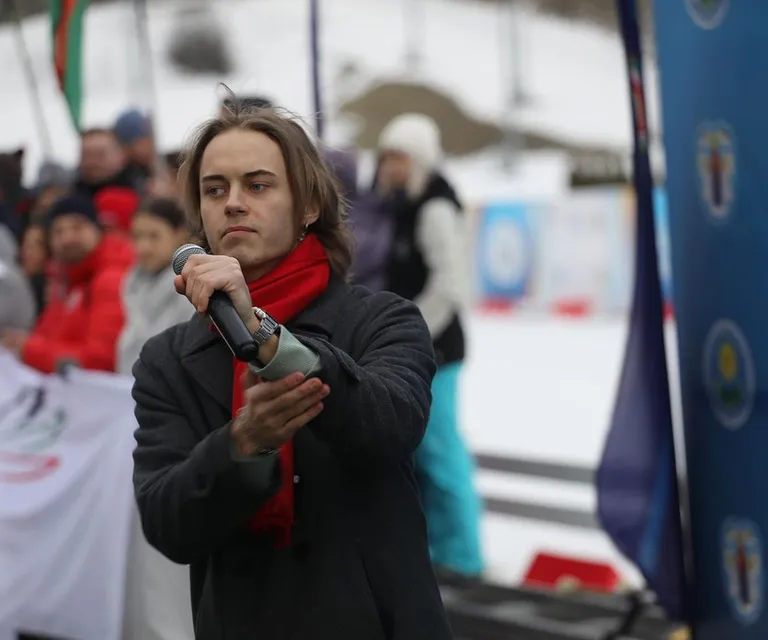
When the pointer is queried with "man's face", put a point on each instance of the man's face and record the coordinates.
(394, 170)
(142, 152)
(33, 251)
(73, 237)
(245, 201)
(155, 241)
(101, 157)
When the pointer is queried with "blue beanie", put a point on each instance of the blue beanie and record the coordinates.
(75, 203)
(132, 125)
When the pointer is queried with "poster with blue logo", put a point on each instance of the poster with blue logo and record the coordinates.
(505, 251)
(712, 56)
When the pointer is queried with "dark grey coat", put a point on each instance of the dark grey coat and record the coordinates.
(359, 566)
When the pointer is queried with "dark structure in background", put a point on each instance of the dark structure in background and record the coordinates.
(198, 44)
(462, 134)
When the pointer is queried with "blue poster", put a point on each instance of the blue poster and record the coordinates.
(713, 56)
(505, 252)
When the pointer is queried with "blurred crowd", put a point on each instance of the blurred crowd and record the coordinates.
(79, 246)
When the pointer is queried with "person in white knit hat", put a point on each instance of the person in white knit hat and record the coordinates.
(428, 265)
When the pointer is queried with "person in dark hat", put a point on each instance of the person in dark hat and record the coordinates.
(133, 131)
(82, 325)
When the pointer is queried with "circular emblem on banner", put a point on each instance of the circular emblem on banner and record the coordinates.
(729, 374)
(506, 254)
(742, 557)
(708, 14)
(717, 169)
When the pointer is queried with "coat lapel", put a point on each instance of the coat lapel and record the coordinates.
(320, 317)
(207, 359)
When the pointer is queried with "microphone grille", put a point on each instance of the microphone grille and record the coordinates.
(181, 255)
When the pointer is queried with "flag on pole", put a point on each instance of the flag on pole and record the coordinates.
(67, 31)
(638, 502)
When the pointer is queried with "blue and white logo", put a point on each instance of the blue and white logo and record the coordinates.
(729, 374)
(708, 14)
(743, 569)
(717, 169)
(505, 253)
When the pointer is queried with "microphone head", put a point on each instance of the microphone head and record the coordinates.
(181, 255)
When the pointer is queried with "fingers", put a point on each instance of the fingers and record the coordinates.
(204, 274)
(267, 391)
(300, 399)
(280, 401)
(304, 418)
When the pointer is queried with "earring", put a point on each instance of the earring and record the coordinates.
(304, 232)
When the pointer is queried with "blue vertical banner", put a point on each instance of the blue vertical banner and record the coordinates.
(713, 56)
(638, 503)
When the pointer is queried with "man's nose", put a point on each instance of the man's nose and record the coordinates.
(235, 204)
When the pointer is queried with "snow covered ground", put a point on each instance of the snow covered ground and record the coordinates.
(542, 389)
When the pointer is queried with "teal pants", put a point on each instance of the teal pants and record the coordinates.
(445, 470)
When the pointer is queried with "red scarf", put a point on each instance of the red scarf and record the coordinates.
(283, 293)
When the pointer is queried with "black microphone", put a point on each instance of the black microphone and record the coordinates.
(222, 312)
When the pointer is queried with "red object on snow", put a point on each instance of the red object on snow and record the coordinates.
(550, 570)
(497, 305)
(572, 308)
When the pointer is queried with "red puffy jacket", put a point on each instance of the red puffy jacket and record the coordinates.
(83, 325)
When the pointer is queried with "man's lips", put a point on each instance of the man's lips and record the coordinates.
(233, 229)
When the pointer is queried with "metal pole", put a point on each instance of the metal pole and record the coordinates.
(29, 74)
(511, 66)
(413, 23)
(146, 70)
(314, 38)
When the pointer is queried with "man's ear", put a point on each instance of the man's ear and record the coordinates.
(312, 215)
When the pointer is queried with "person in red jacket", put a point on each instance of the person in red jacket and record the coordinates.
(81, 325)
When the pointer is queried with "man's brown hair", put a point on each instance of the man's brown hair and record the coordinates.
(312, 184)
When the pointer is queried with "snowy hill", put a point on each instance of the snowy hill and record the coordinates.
(574, 73)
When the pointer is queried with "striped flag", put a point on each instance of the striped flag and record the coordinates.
(638, 502)
(67, 30)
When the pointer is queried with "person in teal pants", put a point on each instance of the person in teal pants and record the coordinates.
(444, 469)
(428, 264)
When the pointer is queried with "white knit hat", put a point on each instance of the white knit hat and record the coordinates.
(416, 135)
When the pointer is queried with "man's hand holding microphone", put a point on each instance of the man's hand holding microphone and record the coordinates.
(274, 410)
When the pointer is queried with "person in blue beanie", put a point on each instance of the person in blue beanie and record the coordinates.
(133, 130)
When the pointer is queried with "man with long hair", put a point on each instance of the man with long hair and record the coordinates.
(286, 483)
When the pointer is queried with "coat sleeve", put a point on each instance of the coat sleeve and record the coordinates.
(192, 492)
(100, 335)
(379, 403)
